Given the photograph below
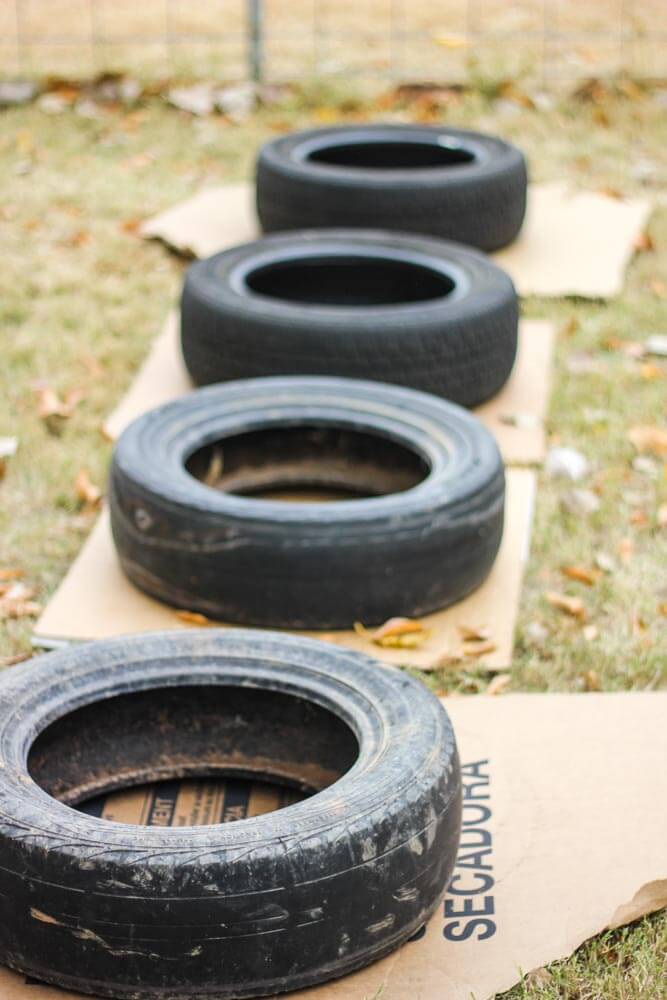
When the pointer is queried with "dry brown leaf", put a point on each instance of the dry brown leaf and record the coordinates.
(86, 491)
(11, 573)
(475, 649)
(16, 602)
(572, 606)
(644, 243)
(662, 609)
(193, 618)
(591, 681)
(581, 574)
(474, 633)
(396, 633)
(498, 684)
(51, 408)
(647, 437)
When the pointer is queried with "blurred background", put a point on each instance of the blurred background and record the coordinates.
(553, 41)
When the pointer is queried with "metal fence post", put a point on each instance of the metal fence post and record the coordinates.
(255, 17)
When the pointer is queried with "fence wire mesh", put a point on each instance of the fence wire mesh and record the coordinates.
(279, 40)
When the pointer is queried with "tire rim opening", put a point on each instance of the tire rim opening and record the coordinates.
(308, 464)
(189, 756)
(392, 155)
(349, 281)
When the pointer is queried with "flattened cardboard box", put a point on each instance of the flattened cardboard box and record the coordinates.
(95, 600)
(564, 824)
(515, 416)
(571, 243)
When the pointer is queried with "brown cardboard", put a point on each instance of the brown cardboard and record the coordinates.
(565, 809)
(572, 242)
(192, 802)
(515, 416)
(95, 600)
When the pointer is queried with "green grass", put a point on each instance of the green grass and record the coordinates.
(77, 283)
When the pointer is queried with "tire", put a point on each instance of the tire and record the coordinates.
(424, 535)
(271, 903)
(417, 312)
(439, 181)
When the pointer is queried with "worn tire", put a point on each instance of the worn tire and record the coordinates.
(339, 879)
(412, 311)
(424, 536)
(439, 181)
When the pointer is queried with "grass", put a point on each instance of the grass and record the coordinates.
(81, 296)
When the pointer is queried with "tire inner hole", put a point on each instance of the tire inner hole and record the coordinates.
(307, 463)
(398, 155)
(191, 755)
(349, 280)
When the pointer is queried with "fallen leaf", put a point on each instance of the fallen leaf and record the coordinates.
(396, 633)
(581, 574)
(16, 602)
(592, 681)
(661, 516)
(658, 287)
(86, 491)
(525, 421)
(644, 243)
(52, 409)
(498, 684)
(474, 633)
(475, 649)
(572, 606)
(11, 573)
(193, 618)
(646, 437)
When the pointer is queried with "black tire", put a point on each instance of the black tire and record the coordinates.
(440, 181)
(413, 311)
(339, 879)
(424, 536)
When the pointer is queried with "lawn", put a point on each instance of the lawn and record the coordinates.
(81, 296)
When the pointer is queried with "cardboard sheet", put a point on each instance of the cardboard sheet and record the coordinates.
(564, 835)
(95, 599)
(515, 416)
(572, 242)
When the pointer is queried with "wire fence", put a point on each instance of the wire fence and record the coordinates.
(282, 40)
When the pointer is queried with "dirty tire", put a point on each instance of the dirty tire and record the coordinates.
(439, 181)
(417, 312)
(423, 534)
(271, 903)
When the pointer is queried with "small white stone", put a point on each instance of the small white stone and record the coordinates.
(566, 463)
(657, 344)
(197, 100)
